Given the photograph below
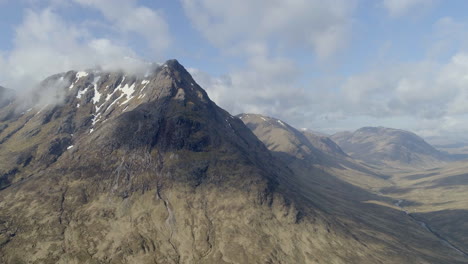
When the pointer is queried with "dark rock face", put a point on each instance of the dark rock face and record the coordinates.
(116, 168)
(378, 145)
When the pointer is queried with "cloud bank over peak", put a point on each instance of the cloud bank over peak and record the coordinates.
(45, 43)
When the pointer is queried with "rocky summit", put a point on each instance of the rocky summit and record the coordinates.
(108, 167)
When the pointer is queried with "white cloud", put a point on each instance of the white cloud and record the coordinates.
(427, 97)
(425, 89)
(444, 130)
(46, 44)
(127, 17)
(263, 33)
(449, 37)
(267, 86)
(321, 26)
(402, 7)
(418, 96)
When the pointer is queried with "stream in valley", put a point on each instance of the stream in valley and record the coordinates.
(429, 229)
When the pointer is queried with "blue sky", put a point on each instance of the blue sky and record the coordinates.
(325, 65)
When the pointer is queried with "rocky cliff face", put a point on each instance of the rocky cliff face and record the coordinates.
(101, 167)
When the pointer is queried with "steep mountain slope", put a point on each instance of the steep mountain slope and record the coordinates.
(387, 146)
(113, 168)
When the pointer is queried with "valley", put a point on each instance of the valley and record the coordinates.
(437, 197)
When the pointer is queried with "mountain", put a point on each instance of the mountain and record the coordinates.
(307, 149)
(107, 167)
(391, 147)
(279, 136)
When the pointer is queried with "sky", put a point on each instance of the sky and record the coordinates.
(324, 65)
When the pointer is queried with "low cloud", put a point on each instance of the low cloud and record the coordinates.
(267, 86)
(45, 43)
(426, 89)
(418, 96)
(398, 8)
(51, 91)
(126, 17)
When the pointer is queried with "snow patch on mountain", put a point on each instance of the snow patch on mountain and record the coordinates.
(97, 95)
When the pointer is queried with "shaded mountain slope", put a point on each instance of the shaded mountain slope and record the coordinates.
(128, 169)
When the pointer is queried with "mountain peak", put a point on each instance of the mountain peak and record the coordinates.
(109, 108)
(101, 95)
(106, 112)
(173, 63)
